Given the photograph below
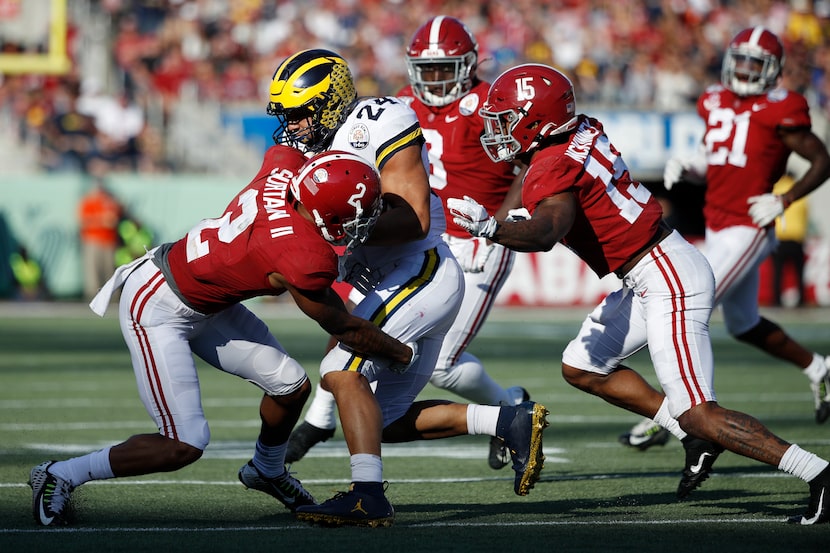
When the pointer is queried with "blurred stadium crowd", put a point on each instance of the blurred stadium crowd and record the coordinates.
(136, 63)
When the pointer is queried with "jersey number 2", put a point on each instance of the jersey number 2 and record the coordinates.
(229, 228)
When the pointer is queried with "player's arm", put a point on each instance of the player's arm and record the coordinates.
(550, 222)
(405, 186)
(326, 307)
(809, 146)
(513, 199)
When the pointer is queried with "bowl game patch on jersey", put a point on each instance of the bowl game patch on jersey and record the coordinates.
(359, 136)
(468, 104)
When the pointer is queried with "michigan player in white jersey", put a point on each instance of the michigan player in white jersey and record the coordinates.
(405, 280)
(445, 92)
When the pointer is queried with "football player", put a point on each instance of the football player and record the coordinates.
(579, 191)
(405, 280)
(445, 93)
(183, 298)
(752, 126)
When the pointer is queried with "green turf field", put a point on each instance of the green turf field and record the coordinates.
(66, 388)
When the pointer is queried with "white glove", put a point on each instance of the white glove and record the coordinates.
(472, 217)
(480, 253)
(672, 172)
(521, 214)
(400, 368)
(765, 208)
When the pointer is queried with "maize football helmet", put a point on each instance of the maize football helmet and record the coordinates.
(312, 84)
(524, 105)
(753, 62)
(441, 61)
(341, 192)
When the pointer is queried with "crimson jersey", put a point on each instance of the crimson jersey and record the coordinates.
(744, 154)
(616, 216)
(226, 260)
(458, 165)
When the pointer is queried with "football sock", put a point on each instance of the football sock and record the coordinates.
(269, 460)
(802, 463)
(482, 419)
(92, 466)
(366, 467)
(664, 419)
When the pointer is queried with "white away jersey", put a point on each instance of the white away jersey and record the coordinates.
(377, 128)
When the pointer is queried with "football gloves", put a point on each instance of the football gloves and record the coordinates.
(520, 214)
(401, 368)
(692, 169)
(672, 172)
(765, 208)
(472, 217)
(472, 253)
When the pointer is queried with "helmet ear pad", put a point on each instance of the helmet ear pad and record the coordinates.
(342, 194)
(316, 86)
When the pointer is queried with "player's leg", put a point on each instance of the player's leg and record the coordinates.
(237, 342)
(458, 370)
(591, 362)
(155, 330)
(415, 302)
(464, 374)
(736, 254)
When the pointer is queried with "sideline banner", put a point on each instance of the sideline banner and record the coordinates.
(40, 212)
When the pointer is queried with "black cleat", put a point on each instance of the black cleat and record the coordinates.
(521, 429)
(50, 496)
(284, 488)
(818, 510)
(498, 457)
(700, 456)
(351, 508)
(303, 438)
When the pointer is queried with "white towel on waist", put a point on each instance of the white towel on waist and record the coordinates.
(102, 299)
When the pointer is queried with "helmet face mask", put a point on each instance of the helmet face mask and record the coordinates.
(752, 62)
(441, 61)
(341, 192)
(497, 139)
(309, 95)
(525, 105)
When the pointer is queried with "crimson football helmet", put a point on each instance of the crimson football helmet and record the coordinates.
(341, 192)
(525, 104)
(753, 61)
(441, 61)
(315, 84)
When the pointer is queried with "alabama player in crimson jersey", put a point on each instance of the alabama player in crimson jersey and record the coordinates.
(752, 126)
(579, 191)
(446, 93)
(182, 299)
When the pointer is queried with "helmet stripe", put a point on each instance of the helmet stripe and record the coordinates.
(755, 37)
(435, 31)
